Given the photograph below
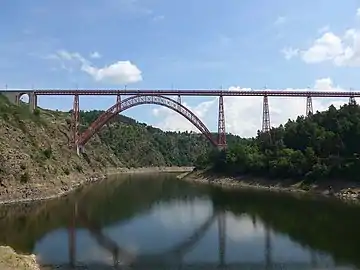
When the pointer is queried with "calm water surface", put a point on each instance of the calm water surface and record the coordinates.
(158, 222)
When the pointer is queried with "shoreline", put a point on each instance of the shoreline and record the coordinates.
(85, 180)
(344, 191)
(9, 259)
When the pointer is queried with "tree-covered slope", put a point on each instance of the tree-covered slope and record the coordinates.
(137, 144)
(323, 145)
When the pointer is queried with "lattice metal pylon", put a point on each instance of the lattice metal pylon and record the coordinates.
(75, 120)
(221, 125)
(309, 106)
(266, 115)
(179, 101)
(118, 102)
(352, 100)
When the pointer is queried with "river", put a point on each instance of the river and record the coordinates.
(158, 222)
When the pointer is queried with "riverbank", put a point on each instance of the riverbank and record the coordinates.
(60, 186)
(348, 191)
(10, 260)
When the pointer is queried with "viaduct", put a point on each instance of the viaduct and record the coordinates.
(163, 98)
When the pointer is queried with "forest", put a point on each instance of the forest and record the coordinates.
(323, 145)
(138, 144)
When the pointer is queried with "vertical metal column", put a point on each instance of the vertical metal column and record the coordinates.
(309, 106)
(75, 120)
(266, 115)
(221, 125)
(179, 101)
(352, 100)
(118, 102)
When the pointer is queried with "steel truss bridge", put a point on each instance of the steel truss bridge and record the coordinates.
(163, 98)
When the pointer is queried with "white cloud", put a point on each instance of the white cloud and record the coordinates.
(290, 52)
(341, 50)
(241, 228)
(325, 84)
(328, 47)
(186, 215)
(121, 72)
(95, 55)
(324, 29)
(158, 18)
(176, 122)
(243, 115)
(358, 12)
(280, 20)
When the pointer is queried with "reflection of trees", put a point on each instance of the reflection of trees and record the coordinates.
(175, 255)
(321, 225)
(27, 223)
(324, 225)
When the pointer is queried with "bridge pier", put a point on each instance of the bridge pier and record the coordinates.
(75, 118)
(14, 97)
(118, 102)
(179, 102)
(309, 106)
(221, 142)
(352, 100)
(266, 115)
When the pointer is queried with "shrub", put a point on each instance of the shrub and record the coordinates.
(36, 112)
(47, 152)
(66, 171)
(78, 168)
(24, 178)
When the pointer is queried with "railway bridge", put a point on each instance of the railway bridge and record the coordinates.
(164, 98)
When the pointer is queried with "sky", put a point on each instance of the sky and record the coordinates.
(188, 44)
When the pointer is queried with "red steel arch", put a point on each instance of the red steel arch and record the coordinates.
(140, 100)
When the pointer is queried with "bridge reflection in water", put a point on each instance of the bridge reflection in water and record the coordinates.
(173, 257)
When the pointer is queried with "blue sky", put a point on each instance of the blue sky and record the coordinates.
(180, 44)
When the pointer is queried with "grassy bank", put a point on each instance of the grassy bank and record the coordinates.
(335, 188)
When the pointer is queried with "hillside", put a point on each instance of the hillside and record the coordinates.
(324, 145)
(137, 144)
(35, 155)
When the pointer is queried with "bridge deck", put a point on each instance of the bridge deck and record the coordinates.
(187, 92)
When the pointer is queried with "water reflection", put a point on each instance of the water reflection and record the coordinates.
(156, 222)
(240, 231)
